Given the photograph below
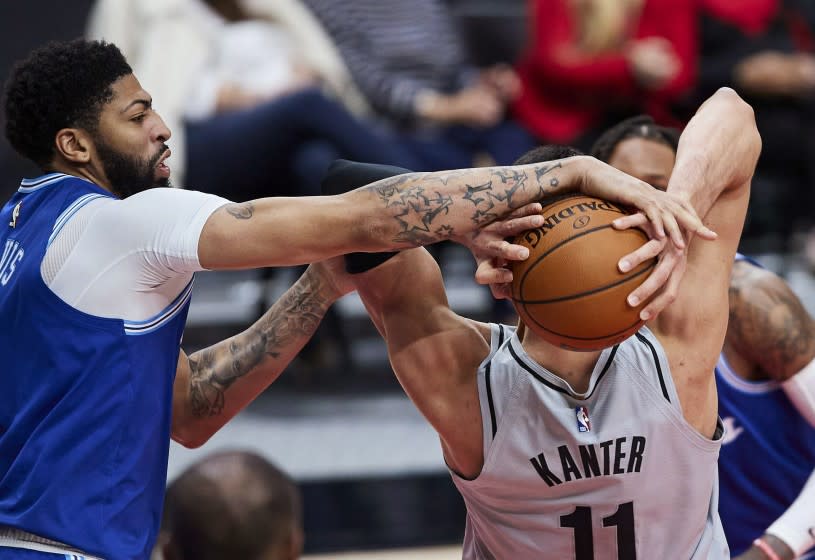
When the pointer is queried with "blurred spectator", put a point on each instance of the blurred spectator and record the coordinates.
(409, 60)
(232, 505)
(240, 91)
(764, 50)
(591, 62)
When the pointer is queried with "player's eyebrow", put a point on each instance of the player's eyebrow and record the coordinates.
(148, 103)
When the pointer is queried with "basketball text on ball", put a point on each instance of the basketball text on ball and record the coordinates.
(533, 236)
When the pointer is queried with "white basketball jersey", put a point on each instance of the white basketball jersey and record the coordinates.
(615, 473)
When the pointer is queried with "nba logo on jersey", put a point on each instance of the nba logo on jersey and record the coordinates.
(583, 421)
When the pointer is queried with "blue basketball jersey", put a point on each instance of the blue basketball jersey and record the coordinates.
(767, 455)
(86, 408)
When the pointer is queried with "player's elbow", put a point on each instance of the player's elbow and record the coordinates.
(736, 105)
(189, 438)
(741, 118)
(729, 95)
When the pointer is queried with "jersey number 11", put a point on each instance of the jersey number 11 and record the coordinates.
(580, 521)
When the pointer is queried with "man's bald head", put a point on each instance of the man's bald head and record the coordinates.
(232, 505)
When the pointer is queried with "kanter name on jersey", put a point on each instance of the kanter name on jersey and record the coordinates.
(613, 457)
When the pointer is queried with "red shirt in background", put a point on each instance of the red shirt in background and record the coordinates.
(561, 99)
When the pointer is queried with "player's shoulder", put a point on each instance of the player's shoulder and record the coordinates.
(161, 196)
(747, 279)
(155, 207)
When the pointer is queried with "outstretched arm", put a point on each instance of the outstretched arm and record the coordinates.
(214, 384)
(417, 209)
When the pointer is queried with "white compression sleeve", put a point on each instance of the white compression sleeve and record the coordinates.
(796, 527)
(800, 388)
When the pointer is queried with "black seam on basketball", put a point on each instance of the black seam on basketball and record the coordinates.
(489, 397)
(604, 371)
(647, 342)
(535, 374)
(531, 318)
(586, 293)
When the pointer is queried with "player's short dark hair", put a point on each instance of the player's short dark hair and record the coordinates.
(207, 518)
(641, 126)
(59, 85)
(548, 152)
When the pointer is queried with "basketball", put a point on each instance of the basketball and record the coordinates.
(570, 291)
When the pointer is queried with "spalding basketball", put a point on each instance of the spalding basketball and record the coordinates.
(570, 291)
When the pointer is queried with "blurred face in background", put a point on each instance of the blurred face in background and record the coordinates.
(647, 160)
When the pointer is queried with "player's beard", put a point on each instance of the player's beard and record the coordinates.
(130, 175)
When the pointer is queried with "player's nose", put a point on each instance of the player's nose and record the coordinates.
(160, 132)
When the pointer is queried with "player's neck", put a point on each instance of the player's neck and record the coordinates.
(87, 172)
(573, 367)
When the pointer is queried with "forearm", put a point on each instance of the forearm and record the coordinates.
(222, 379)
(717, 150)
(422, 208)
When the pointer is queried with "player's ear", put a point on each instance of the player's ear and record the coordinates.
(73, 144)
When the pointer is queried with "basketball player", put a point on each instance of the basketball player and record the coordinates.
(232, 505)
(584, 455)
(95, 279)
(765, 378)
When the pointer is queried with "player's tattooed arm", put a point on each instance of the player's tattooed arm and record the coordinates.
(222, 379)
(422, 208)
(240, 210)
(768, 323)
(430, 207)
